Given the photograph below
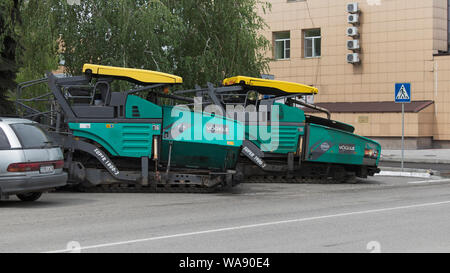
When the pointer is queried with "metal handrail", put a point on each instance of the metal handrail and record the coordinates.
(315, 107)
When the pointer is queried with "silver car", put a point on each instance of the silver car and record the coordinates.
(30, 163)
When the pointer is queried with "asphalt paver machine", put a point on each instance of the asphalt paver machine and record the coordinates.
(284, 142)
(133, 140)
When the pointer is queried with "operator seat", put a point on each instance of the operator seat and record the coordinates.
(100, 105)
(105, 94)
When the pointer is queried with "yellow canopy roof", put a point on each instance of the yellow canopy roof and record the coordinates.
(139, 75)
(271, 87)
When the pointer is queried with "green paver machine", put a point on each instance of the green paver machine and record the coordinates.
(282, 143)
(249, 129)
(132, 141)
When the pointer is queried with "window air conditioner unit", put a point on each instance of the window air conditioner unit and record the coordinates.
(352, 31)
(353, 19)
(353, 58)
(353, 45)
(352, 8)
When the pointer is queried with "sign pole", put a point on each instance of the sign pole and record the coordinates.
(403, 135)
(403, 95)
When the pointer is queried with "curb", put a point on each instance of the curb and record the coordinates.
(403, 174)
(397, 172)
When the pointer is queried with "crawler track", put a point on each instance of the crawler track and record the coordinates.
(181, 183)
(132, 188)
(308, 174)
(283, 179)
(186, 188)
(314, 175)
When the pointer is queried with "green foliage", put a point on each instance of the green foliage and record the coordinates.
(126, 33)
(39, 39)
(219, 39)
(9, 20)
(200, 40)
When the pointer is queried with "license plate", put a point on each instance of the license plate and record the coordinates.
(47, 169)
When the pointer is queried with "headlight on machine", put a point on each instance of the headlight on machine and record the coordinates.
(371, 153)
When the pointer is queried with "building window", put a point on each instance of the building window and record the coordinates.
(282, 41)
(312, 43)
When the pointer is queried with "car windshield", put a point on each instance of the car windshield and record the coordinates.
(31, 136)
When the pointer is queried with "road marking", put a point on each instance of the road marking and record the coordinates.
(252, 226)
(430, 181)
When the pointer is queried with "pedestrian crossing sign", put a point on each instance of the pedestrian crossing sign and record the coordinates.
(402, 92)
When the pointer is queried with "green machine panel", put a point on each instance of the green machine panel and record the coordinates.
(281, 139)
(120, 139)
(138, 107)
(200, 140)
(133, 138)
(328, 145)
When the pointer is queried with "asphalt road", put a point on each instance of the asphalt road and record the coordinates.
(383, 213)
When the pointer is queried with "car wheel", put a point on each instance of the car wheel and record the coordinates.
(29, 197)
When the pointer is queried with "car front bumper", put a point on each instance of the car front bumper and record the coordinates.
(17, 185)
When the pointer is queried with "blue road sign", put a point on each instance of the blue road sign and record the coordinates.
(402, 92)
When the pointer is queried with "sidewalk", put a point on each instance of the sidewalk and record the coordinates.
(428, 156)
(433, 156)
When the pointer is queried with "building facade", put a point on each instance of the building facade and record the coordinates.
(319, 42)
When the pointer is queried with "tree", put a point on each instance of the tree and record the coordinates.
(39, 50)
(200, 40)
(219, 39)
(39, 39)
(126, 33)
(9, 19)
